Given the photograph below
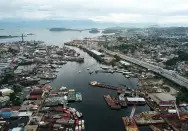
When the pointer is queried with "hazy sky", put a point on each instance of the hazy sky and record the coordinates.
(137, 11)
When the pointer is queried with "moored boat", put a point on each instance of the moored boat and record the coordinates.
(78, 96)
(130, 124)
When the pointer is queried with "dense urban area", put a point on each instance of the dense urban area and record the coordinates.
(157, 56)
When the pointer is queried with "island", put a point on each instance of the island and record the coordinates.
(63, 29)
(1, 29)
(8, 36)
(94, 30)
(30, 34)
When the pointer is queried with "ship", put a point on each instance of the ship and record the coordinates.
(78, 96)
(112, 102)
(122, 100)
(71, 95)
(101, 85)
(130, 124)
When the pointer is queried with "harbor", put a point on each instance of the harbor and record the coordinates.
(79, 91)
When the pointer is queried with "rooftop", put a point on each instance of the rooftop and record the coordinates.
(135, 99)
(161, 97)
(96, 52)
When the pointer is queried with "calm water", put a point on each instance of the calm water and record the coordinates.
(43, 34)
(97, 115)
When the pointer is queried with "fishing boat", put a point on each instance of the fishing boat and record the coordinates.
(78, 96)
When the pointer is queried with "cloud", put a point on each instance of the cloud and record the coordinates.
(119, 11)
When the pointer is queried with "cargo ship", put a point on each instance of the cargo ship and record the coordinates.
(112, 102)
(95, 83)
(130, 124)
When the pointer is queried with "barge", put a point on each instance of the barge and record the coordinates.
(130, 124)
(96, 84)
(112, 102)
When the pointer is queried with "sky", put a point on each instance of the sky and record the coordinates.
(117, 11)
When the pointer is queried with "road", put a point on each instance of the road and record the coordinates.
(163, 72)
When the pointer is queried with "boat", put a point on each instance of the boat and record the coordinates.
(112, 102)
(127, 76)
(30, 34)
(122, 100)
(61, 62)
(47, 76)
(76, 128)
(71, 95)
(79, 114)
(93, 83)
(83, 126)
(154, 128)
(87, 68)
(82, 121)
(79, 71)
(80, 128)
(101, 85)
(79, 122)
(130, 124)
(90, 72)
(78, 96)
(63, 88)
(105, 68)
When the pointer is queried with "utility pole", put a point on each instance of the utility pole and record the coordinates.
(22, 38)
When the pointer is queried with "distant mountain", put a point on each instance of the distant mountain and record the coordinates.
(71, 24)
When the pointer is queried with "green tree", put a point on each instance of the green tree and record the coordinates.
(117, 58)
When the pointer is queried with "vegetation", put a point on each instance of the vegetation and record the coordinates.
(15, 99)
(123, 47)
(120, 38)
(172, 61)
(182, 56)
(117, 58)
(182, 96)
(94, 30)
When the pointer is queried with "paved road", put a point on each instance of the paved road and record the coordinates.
(163, 72)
